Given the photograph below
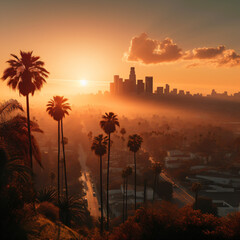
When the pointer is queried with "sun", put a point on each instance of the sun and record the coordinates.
(83, 82)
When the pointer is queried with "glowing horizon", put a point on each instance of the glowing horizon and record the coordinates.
(79, 41)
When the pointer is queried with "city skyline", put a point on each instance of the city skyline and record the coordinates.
(135, 86)
(189, 45)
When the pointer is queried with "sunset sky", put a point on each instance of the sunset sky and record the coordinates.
(191, 45)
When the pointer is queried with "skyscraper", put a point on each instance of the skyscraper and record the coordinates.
(140, 86)
(132, 79)
(149, 85)
(167, 89)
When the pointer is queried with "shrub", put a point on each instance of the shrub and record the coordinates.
(49, 211)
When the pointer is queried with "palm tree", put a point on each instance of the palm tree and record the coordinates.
(196, 187)
(123, 132)
(9, 106)
(124, 175)
(46, 195)
(134, 144)
(99, 146)
(157, 169)
(58, 108)
(26, 74)
(14, 132)
(73, 209)
(108, 124)
(128, 172)
(11, 169)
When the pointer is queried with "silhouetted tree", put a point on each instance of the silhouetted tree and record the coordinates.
(196, 187)
(157, 169)
(14, 176)
(124, 175)
(123, 132)
(14, 132)
(9, 106)
(46, 195)
(73, 209)
(26, 74)
(57, 108)
(128, 173)
(134, 144)
(108, 124)
(99, 146)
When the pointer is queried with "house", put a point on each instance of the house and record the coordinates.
(223, 208)
(175, 158)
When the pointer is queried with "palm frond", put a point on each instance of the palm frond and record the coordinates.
(46, 195)
(10, 106)
(22, 69)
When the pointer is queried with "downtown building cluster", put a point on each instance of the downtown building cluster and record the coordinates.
(134, 86)
(131, 85)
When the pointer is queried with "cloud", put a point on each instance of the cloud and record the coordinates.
(206, 53)
(150, 51)
(146, 50)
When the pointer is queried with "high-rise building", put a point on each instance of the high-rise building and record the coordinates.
(167, 89)
(174, 91)
(160, 90)
(120, 86)
(126, 86)
(132, 80)
(112, 88)
(149, 85)
(181, 93)
(115, 79)
(140, 86)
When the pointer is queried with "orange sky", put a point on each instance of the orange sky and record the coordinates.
(87, 40)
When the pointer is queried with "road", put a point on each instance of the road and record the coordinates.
(180, 195)
(92, 200)
(93, 205)
(178, 191)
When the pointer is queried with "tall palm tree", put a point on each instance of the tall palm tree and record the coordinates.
(128, 172)
(58, 108)
(196, 187)
(124, 175)
(26, 74)
(123, 132)
(14, 133)
(134, 144)
(99, 146)
(108, 124)
(157, 169)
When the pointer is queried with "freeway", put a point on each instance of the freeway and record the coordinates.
(93, 205)
(178, 191)
(180, 195)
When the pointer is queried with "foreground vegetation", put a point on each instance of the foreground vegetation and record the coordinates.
(166, 221)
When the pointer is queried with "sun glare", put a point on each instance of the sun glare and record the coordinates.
(83, 82)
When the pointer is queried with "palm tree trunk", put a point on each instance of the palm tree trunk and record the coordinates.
(126, 198)
(123, 207)
(154, 186)
(144, 191)
(29, 132)
(109, 140)
(65, 173)
(196, 200)
(135, 181)
(64, 161)
(101, 198)
(59, 163)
